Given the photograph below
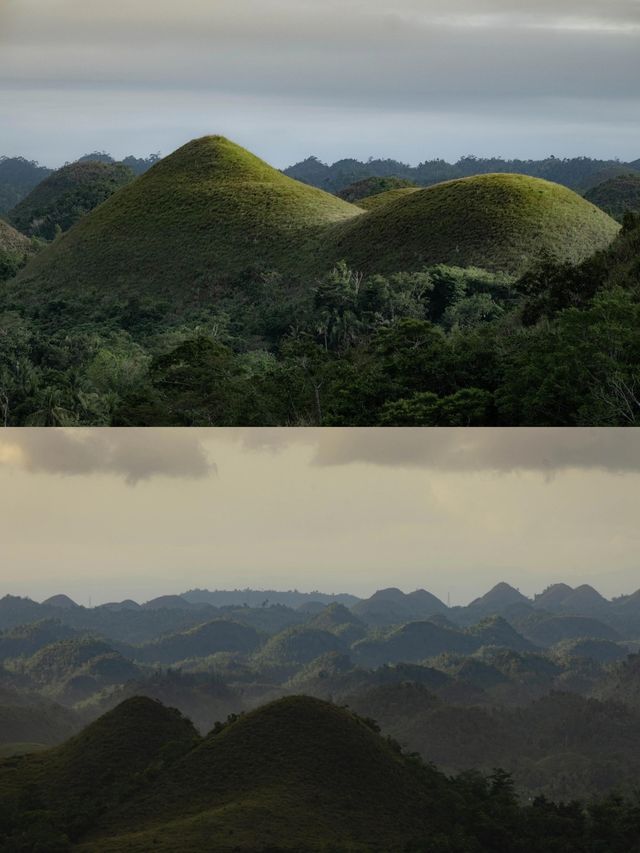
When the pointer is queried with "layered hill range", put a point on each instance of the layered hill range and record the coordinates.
(211, 212)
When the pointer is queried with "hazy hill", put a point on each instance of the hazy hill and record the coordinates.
(291, 649)
(578, 173)
(25, 640)
(392, 606)
(260, 597)
(496, 222)
(17, 177)
(548, 630)
(67, 195)
(220, 635)
(411, 643)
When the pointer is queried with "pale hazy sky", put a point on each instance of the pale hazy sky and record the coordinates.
(138, 513)
(410, 79)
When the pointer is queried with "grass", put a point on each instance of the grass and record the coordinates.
(498, 222)
(13, 241)
(373, 202)
(201, 216)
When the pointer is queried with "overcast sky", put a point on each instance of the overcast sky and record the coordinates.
(113, 514)
(410, 79)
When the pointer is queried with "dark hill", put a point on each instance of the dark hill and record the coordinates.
(339, 620)
(617, 195)
(496, 631)
(94, 769)
(66, 196)
(208, 212)
(297, 774)
(296, 647)
(496, 222)
(391, 607)
(499, 598)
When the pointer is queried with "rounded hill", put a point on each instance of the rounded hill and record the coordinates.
(618, 195)
(208, 212)
(11, 240)
(373, 202)
(499, 222)
(66, 196)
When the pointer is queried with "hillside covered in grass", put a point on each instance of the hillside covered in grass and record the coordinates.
(496, 222)
(296, 774)
(208, 212)
(67, 195)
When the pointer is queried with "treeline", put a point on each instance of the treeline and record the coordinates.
(578, 173)
(444, 346)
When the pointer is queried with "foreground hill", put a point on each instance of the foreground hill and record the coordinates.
(207, 212)
(66, 196)
(298, 774)
(497, 222)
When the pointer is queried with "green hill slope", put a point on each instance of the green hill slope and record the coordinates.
(297, 774)
(14, 250)
(498, 222)
(373, 202)
(66, 196)
(207, 212)
(617, 195)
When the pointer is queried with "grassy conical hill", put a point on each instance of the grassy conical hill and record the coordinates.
(207, 212)
(66, 196)
(498, 222)
(297, 774)
(95, 768)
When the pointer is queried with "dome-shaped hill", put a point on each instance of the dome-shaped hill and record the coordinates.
(208, 211)
(498, 222)
(618, 195)
(66, 196)
(297, 774)
(373, 202)
(219, 635)
(102, 760)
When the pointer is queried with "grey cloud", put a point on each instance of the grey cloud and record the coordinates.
(501, 450)
(133, 454)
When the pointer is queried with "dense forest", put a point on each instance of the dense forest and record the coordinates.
(316, 722)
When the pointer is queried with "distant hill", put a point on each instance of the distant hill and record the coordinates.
(617, 195)
(412, 643)
(220, 635)
(496, 222)
(578, 173)
(372, 187)
(67, 195)
(547, 631)
(392, 606)
(260, 597)
(18, 177)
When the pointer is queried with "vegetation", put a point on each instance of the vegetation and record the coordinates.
(212, 290)
(618, 195)
(577, 173)
(369, 187)
(295, 774)
(66, 196)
